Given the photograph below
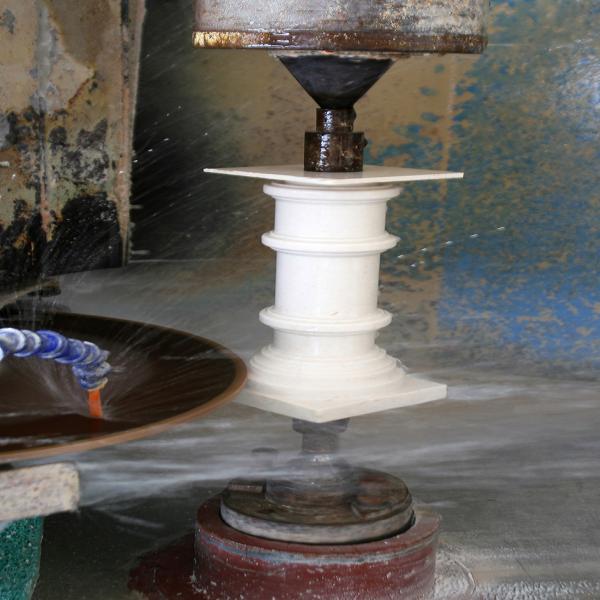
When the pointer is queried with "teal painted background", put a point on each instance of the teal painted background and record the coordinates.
(529, 139)
(518, 241)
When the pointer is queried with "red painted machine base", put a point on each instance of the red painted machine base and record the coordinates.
(229, 565)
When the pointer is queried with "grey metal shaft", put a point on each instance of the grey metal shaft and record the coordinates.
(318, 498)
(320, 438)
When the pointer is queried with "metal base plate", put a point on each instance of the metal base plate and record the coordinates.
(379, 505)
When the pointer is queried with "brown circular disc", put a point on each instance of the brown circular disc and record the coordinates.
(161, 377)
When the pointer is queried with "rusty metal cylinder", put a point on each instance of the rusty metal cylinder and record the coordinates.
(343, 25)
(231, 564)
(334, 146)
(224, 563)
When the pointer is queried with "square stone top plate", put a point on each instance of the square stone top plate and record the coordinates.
(370, 175)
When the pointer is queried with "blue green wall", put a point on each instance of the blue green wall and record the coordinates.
(528, 138)
(507, 260)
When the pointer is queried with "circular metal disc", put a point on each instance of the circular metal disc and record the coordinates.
(161, 377)
(380, 505)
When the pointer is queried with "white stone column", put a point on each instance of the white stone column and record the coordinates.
(323, 363)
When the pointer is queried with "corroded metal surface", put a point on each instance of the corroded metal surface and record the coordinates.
(334, 147)
(341, 42)
(68, 74)
(392, 26)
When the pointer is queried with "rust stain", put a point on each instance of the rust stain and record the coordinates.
(66, 157)
(418, 16)
(8, 21)
(370, 41)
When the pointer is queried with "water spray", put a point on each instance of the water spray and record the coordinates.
(88, 362)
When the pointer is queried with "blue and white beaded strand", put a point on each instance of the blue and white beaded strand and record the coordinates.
(88, 362)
